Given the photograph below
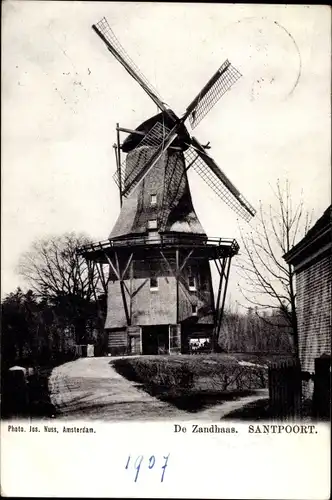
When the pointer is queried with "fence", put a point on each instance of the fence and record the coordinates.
(84, 350)
(285, 389)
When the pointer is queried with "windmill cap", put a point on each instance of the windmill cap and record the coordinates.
(167, 119)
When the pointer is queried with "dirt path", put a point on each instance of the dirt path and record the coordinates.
(220, 411)
(91, 388)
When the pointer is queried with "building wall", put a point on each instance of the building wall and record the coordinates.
(154, 307)
(313, 288)
(149, 307)
(202, 296)
(118, 342)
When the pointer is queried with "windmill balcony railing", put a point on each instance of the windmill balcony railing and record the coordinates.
(162, 240)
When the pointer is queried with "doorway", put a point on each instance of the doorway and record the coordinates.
(155, 339)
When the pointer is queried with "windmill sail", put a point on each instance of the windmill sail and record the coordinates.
(206, 167)
(175, 185)
(220, 82)
(143, 155)
(104, 31)
(136, 160)
(141, 168)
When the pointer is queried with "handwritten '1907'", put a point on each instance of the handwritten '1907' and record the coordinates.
(151, 463)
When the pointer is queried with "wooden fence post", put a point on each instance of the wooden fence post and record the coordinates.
(285, 390)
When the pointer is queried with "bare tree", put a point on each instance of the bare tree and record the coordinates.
(53, 268)
(266, 280)
(61, 277)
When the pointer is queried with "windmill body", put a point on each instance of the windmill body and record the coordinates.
(159, 286)
(159, 302)
(164, 195)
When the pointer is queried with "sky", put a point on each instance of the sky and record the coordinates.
(63, 93)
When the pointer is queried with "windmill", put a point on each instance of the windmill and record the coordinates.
(160, 295)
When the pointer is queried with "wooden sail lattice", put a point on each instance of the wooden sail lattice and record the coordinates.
(217, 86)
(145, 156)
(105, 31)
(136, 160)
(235, 201)
(174, 177)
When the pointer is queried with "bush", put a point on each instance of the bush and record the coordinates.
(204, 373)
(192, 383)
(156, 373)
(119, 351)
(125, 368)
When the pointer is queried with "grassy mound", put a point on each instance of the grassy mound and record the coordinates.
(156, 372)
(193, 382)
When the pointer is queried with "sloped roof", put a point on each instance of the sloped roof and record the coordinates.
(317, 238)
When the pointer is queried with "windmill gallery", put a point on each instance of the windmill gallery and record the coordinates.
(159, 290)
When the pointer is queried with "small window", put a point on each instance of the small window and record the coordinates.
(192, 283)
(152, 224)
(153, 200)
(194, 309)
(153, 284)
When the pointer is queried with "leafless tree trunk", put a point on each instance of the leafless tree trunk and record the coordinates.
(53, 268)
(266, 281)
(58, 275)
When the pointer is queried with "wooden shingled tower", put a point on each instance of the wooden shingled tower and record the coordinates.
(159, 286)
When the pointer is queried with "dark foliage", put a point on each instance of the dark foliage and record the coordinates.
(31, 395)
(156, 373)
(192, 383)
(38, 334)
